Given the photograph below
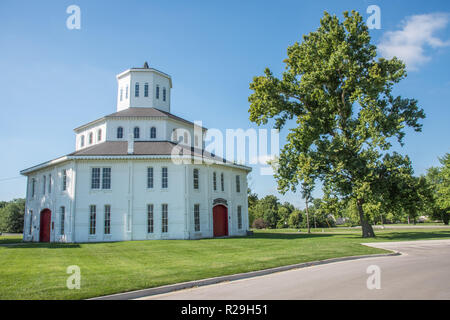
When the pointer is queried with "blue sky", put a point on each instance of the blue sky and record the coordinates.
(55, 79)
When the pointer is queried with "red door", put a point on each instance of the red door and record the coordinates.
(220, 221)
(44, 231)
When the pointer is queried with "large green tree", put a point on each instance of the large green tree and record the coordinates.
(340, 96)
(11, 216)
(439, 179)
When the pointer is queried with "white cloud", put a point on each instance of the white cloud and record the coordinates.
(408, 44)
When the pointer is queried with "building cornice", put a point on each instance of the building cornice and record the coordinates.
(185, 159)
(124, 73)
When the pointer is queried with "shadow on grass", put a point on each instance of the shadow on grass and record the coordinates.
(28, 245)
(292, 236)
(411, 235)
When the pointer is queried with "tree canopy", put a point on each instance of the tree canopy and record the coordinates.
(341, 98)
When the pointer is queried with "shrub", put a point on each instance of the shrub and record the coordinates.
(259, 223)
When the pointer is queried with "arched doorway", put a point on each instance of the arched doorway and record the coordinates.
(44, 228)
(220, 220)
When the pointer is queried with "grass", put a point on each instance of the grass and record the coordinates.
(6, 239)
(38, 271)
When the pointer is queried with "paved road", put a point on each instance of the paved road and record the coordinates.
(421, 272)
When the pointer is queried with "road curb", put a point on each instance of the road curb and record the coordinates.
(239, 276)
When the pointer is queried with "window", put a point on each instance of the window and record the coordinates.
(106, 178)
(153, 133)
(150, 223)
(121, 94)
(239, 217)
(30, 226)
(222, 183)
(238, 184)
(33, 187)
(149, 177)
(165, 220)
(157, 92)
(62, 212)
(64, 180)
(196, 179)
(164, 178)
(103, 176)
(164, 94)
(146, 90)
(126, 92)
(99, 135)
(107, 219)
(174, 135)
(92, 219)
(136, 89)
(91, 138)
(119, 133)
(82, 141)
(214, 181)
(49, 183)
(197, 217)
(136, 132)
(95, 178)
(44, 184)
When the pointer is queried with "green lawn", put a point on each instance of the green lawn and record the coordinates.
(38, 271)
(5, 239)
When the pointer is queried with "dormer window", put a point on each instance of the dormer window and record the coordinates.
(157, 92)
(153, 133)
(136, 90)
(146, 90)
(119, 133)
(174, 135)
(91, 138)
(99, 135)
(82, 141)
(136, 132)
(164, 94)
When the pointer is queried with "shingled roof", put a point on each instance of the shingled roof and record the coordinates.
(148, 148)
(140, 113)
(141, 148)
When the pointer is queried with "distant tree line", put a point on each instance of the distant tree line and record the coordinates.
(268, 212)
(411, 198)
(11, 215)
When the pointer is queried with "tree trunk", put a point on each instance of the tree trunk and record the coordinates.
(314, 216)
(307, 215)
(408, 218)
(367, 230)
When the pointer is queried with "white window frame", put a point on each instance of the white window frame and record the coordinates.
(164, 218)
(92, 219)
(239, 217)
(107, 220)
(150, 177)
(150, 218)
(62, 213)
(164, 178)
(197, 217)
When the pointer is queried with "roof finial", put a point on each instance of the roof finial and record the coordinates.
(146, 65)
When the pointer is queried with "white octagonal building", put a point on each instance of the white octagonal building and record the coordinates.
(139, 173)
